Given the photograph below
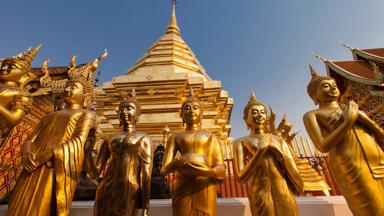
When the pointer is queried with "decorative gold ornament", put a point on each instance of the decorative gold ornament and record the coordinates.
(83, 74)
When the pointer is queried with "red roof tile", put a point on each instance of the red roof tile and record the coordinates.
(358, 68)
(377, 51)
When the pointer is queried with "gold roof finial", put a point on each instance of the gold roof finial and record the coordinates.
(72, 62)
(320, 57)
(346, 46)
(172, 24)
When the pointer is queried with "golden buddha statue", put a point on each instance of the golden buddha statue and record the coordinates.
(54, 152)
(125, 186)
(15, 99)
(15, 103)
(265, 162)
(354, 143)
(200, 165)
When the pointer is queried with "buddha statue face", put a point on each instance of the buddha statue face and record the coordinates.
(191, 113)
(74, 93)
(128, 113)
(10, 70)
(256, 116)
(327, 91)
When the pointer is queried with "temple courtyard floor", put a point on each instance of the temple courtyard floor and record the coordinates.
(311, 206)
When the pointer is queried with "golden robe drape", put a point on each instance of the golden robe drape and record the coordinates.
(358, 163)
(120, 191)
(50, 188)
(196, 195)
(271, 184)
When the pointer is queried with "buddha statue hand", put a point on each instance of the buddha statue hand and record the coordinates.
(21, 102)
(264, 141)
(29, 161)
(174, 166)
(351, 113)
(32, 161)
(40, 92)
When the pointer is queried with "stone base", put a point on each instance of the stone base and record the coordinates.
(313, 206)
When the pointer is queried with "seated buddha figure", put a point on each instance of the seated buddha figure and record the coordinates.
(265, 162)
(354, 143)
(127, 157)
(200, 165)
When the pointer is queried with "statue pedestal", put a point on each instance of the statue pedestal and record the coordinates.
(313, 206)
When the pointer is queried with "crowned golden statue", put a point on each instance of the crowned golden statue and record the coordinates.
(15, 102)
(354, 143)
(15, 73)
(54, 152)
(266, 163)
(200, 165)
(125, 186)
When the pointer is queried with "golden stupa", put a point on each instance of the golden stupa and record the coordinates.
(161, 78)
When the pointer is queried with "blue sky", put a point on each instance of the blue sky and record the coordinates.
(264, 45)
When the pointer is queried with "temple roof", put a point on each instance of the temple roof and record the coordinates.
(376, 55)
(52, 70)
(171, 52)
(361, 71)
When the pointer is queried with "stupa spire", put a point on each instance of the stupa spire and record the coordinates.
(172, 24)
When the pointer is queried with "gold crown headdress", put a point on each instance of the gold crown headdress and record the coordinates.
(24, 59)
(314, 83)
(83, 74)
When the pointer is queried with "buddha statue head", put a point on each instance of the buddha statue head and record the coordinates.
(82, 75)
(74, 93)
(255, 113)
(191, 111)
(322, 88)
(129, 111)
(18, 69)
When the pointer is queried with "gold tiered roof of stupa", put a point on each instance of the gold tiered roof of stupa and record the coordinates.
(161, 78)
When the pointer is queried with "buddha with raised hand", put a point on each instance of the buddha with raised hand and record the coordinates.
(265, 162)
(354, 143)
(200, 165)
